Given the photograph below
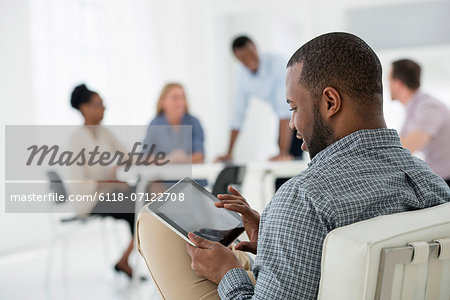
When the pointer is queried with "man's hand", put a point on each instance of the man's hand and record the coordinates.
(250, 217)
(282, 156)
(211, 260)
(224, 158)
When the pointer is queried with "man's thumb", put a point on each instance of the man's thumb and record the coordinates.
(198, 241)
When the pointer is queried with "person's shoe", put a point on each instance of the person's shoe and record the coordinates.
(127, 273)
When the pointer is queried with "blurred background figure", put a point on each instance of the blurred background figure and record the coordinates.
(178, 142)
(427, 123)
(97, 178)
(261, 75)
(181, 135)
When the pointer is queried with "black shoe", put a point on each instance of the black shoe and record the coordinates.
(120, 270)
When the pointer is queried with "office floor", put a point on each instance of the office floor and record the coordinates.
(77, 266)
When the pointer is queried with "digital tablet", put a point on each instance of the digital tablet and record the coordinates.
(188, 207)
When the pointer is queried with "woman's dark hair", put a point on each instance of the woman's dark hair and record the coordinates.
(81, 94)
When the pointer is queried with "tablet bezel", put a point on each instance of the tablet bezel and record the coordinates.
(153, 208)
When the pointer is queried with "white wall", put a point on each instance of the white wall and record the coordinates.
(109, 45)
(16, 94)
(17, 107)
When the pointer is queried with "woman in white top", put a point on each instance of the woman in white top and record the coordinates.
(97, 178)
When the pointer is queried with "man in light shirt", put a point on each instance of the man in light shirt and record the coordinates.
(427, 123)
(262, 76)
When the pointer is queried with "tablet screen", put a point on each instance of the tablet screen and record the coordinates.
(196, 213)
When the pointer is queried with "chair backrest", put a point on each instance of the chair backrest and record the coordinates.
(57, 185)
(399, 256)
(231, 174)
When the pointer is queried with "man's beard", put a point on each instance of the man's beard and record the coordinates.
(322, 135)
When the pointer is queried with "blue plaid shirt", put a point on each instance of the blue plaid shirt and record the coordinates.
(363, 175)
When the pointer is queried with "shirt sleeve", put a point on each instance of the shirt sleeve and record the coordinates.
(198, 137)
(429, 118)
(240, 103)
(279, 99)
(287, 265)
(236, 285)
(149, 137)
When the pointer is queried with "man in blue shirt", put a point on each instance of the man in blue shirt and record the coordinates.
(358, 170)
(261, 76)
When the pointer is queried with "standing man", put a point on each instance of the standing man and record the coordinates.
(261, 76)
(427, 123)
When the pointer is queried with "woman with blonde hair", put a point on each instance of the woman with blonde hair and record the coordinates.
(177, 141)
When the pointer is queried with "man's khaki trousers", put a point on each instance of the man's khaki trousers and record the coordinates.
(169, 263)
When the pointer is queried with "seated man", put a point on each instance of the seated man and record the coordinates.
(358, 170)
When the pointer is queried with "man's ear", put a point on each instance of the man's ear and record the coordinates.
(331, 102)
(399, 84)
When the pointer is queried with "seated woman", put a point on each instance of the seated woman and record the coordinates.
(97, 178)
(163, 250)
(180, 143)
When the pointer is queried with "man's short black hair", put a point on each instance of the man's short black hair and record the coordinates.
(342, 61)
(408, 72)
(240, 42)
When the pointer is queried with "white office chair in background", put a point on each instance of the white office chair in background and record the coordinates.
(402, 256)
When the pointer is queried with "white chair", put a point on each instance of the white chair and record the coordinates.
(401, 256)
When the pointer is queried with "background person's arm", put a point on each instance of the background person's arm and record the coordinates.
(240, 104)
(284, 141)
(415, 140)
(229, 155)
(427, 123)
(197, 157)
(198, 140)
(282, 110)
